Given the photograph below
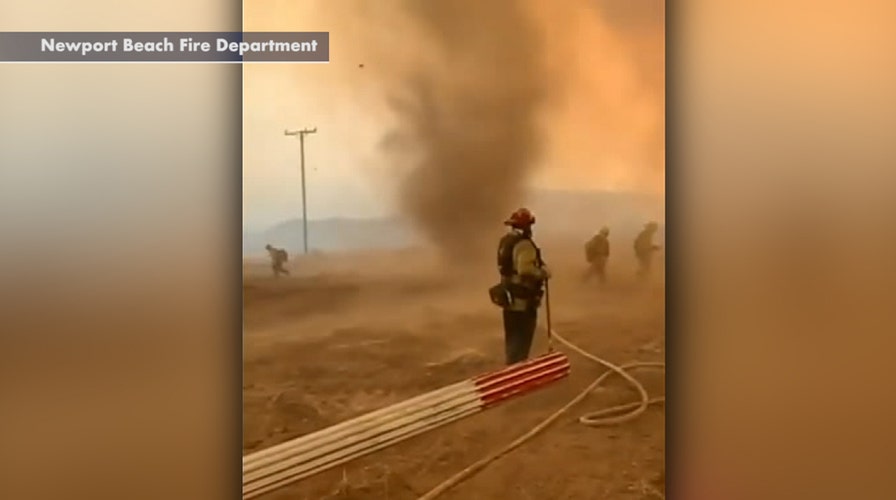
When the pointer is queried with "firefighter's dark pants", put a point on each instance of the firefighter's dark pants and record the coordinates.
(597, 267)
(644, 264)
(519, 330)
(279, 269)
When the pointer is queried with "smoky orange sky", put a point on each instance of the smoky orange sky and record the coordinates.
(600, 126)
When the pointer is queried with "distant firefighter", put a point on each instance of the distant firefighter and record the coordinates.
(278, 258)
(597, 251)
(645, 248)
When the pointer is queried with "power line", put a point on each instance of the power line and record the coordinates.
(301, 135)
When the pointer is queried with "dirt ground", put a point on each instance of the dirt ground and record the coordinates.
(345, 335)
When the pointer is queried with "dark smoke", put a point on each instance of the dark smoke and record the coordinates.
(468, 123)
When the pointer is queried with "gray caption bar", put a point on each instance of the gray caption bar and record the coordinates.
(224, 47)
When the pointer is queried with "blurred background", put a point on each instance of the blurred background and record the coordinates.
(119, 264)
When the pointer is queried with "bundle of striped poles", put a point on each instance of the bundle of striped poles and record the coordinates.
(275, 467)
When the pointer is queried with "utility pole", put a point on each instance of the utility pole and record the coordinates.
(301, 135)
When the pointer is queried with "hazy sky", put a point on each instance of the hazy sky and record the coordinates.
(606, 132)
(338, 184)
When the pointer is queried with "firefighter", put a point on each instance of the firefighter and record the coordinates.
(519, 294)
(597, 251)
(278, 258)
(645, 248)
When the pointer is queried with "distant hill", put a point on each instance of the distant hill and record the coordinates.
(558, 212)
(334, 234)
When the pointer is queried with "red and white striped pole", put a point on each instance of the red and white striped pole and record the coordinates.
(275, 467)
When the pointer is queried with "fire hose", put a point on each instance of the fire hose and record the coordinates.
(615, 415)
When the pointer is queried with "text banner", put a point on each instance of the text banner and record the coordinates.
(165, 47)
